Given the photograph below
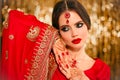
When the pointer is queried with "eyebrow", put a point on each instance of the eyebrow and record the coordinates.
(63, 26)
(79, 22)
(74, 24)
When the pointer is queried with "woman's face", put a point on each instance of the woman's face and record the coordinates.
(74, 32)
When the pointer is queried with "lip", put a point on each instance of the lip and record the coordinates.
(76, 41)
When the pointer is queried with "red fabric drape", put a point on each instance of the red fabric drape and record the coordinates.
(25, 48)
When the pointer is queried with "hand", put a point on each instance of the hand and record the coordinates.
(66, 64)
(62, 57)
(77, 74)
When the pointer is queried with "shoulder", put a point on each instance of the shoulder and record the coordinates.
(98, 66)
(99, 71)
(101, 64)
(102, 70)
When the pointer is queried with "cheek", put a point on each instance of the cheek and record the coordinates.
(84, 34)
(65, 36)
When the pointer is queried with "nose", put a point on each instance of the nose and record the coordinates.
(74, 32)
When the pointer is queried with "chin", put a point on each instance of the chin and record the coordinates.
(75, 47)
(78, 46)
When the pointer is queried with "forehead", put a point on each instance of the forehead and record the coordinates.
(74, 17)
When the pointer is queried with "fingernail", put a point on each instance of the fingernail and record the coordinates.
(59, 65)
(74, 63)
(67, 66)
(59, 57)
(63, 54)
(67, 53)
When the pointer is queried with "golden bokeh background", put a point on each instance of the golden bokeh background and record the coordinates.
(104, 39)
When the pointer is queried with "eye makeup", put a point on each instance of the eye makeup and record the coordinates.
(64, 28)
(79, 24)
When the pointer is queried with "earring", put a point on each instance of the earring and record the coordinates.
(67, 14)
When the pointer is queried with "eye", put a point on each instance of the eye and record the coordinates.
(65, 28)
(79, 25)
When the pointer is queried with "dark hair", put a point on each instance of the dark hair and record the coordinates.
(73, 5)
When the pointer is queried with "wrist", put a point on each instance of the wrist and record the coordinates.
(78, 76)
(75, 78)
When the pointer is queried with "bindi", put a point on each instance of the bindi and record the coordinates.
(67, 16)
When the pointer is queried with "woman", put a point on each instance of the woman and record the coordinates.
(73, 23)
(27, 42)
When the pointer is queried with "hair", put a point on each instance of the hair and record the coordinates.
(72, 5)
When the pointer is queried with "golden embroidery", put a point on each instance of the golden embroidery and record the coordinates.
(45, 38)
(52, 66)
(41, 54)
(49, 26)
(5, 24)
(26, 61)
(48, 32)
(11, 37)
(34, 72)
(37, 58)
(29, 77)
(43, 45)
(6, 55)
(35, 65)
(33, 33)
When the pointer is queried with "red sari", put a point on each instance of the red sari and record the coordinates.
(99, 71)
(26, 45)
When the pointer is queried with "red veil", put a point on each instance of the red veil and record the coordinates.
(26, 45)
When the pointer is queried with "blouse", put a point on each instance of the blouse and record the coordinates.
(99, 71)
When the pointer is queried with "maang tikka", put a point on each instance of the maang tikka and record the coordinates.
(67, 14)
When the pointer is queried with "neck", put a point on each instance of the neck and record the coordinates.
(79, 53)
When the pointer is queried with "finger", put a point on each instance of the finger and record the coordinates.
(59, 44)
(66, 73)
(55, 53)
(65, 67)
(73, 63)
(59, 56)
(65, 58)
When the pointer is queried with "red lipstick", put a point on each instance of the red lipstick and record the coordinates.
(76, 41)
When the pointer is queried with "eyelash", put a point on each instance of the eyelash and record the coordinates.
(79, 25)
(66, 28)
